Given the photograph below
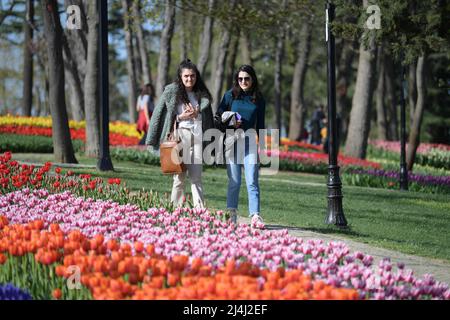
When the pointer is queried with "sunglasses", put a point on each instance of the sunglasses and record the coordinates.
(244, 79)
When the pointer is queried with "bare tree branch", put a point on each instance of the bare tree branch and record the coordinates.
(8, 12)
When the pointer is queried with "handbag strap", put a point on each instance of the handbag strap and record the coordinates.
(172, 135)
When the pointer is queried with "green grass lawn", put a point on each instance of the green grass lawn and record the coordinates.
(409, 222)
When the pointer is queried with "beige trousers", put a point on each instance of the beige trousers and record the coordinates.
(192, 158)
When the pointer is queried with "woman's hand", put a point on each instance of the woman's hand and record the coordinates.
(195, 111)
(186, 115)
(189, 112)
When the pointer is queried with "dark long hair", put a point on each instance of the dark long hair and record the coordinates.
(199, 88)
(147, 89)
(237, 90)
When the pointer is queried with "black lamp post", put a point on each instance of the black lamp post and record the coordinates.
(335, 211)
(104, 162)
(403, 168)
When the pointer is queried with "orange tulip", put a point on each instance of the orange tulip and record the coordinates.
(54, 227)
(60, 271)
(139, 247)
(150, 249)
(112, 245)
(3, 259)
(133, 278)
(3, 222)
(57, 294)
(98, 266)
(75, 235)
(122, 267)
(100, 239)
(116, 256)
(38, 224)
(173, 279)
(230, 266)
(196, 264)
(115, 285)
(125, 247)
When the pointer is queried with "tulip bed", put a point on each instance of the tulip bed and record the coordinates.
(119, 127)
(133, 251)
(390, 179)
(294, 156)
(314, 162)
(305, 157)
(428, 154)
(111, 270)
(311, 162)
(120, 133)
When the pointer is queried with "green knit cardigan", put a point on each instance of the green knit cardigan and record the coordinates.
(165, 113)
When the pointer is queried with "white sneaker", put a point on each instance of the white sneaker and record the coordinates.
(257, 222)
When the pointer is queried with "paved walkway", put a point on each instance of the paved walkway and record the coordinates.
(440, 269)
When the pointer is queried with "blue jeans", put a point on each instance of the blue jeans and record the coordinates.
(251, 170)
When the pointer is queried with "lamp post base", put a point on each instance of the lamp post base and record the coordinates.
(335, 211)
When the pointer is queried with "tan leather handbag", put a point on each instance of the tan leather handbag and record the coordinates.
(171, 162)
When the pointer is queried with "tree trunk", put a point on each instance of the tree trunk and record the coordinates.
(391, 96)
(206, 39)
(183, 40)
(298, 109)
(379, 96)
(132, 85)
(359, 126)
(76, 39)
(219, 74)
(414, 135)
(137, 62)
(143, 52)
(232, 59)
(44, 109)
(38, 101)
(165, 47)
(344, 75)
(246, 49)
(62, 144)
(215, 53)
(91, 84)
(28, 60)
(75, 52)
(74, 83)
(412, 91)
(277, 78)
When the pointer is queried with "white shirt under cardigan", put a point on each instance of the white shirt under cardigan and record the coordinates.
(195, 125)
(142, 101)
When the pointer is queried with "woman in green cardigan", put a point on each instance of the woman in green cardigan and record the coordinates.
(188, 102)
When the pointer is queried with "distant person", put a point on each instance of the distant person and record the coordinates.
(324, 135)
(316, 125)
(144, 106)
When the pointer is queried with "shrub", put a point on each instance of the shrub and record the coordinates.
(31, 144)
